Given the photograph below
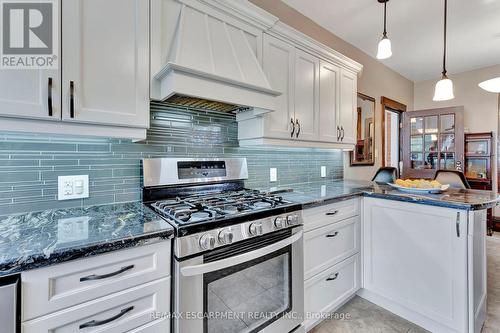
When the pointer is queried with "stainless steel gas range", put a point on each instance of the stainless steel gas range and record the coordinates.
(238, 253)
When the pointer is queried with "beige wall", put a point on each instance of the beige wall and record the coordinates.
(376, 80)
(481, 107)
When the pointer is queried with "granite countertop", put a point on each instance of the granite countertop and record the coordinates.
(48, 237)
(320, 193)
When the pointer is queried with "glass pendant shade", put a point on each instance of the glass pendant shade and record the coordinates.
(492, 85)
(443, 90)
(384, 48)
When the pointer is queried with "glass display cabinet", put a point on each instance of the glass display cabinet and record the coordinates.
(478, 159)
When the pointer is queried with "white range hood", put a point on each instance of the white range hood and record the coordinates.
(214, 57)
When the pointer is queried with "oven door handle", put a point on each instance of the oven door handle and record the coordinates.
(239, 259)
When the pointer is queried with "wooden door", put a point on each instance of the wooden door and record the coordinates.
(347, 116)
(279, 64)
(432, 140)
(105, 75)
(328, 101)
(306, 95)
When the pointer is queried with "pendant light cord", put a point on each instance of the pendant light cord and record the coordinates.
(385, 18)
(445, 24)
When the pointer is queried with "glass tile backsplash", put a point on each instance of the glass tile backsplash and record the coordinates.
(30, 163)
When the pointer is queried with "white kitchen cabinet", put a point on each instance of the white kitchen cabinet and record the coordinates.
(329, 78)
(120, 312)
(306, 96)
(102, 85)
(279, 64)
(329, 245)
(113, 292)
(329, 289)
(416, 264)
(347, 115)
(105, 47)
(53, 288)
(332, 271)
(318, 88)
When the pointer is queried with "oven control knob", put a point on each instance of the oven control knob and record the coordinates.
(207, 242)
(226, 236)
(255, 229)
(292, 219)
(279, 222)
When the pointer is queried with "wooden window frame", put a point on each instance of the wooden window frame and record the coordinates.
(394, 105)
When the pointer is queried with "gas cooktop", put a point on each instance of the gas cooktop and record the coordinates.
(216, 206)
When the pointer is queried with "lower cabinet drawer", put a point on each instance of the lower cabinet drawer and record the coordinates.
(121, 312)
(327, 290)
(321, 216)
(326, 246)
(50, 289)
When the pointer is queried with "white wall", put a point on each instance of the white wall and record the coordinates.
(481, 107)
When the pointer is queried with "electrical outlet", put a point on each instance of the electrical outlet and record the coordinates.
(273, 174)
(323, 171)
(72, 187)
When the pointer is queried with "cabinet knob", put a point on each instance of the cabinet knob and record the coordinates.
(293, 127)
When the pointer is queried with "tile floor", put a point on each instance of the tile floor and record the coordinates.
(366, 317)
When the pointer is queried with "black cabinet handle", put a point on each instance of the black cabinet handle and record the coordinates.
(94, 323)
(293, 127)
(104, 276)
(343, 133)
(49, 97)
(72, 99)
(338, 133)
(457, 224)
(334, 277)
(332, 235)
(298, 130)
(332, 213)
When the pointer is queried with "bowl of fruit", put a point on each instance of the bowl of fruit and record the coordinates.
(419, 186)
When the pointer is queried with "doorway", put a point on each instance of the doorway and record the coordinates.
(392, 117)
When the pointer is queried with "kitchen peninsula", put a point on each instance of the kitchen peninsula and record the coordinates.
(423, 257)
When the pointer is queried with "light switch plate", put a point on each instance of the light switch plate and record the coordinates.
(273, 174)
(323, 171)
(72, 187)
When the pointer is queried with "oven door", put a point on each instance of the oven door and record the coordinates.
(252, 286)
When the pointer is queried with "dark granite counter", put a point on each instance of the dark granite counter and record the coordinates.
(321, 193)
(44, 238)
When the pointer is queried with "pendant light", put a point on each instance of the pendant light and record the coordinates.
(384, 46)
(444, 87)
(492, 85)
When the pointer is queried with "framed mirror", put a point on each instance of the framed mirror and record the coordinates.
(364, 151)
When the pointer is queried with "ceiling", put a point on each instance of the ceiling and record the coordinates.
(416, 31)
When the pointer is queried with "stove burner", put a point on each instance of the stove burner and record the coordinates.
(199, 216)
(262, 204)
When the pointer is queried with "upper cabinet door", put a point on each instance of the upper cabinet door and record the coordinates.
(33, 94)
(328, 101)
(306, 96)
(278, 62)
(105, 76)
(347, 113)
